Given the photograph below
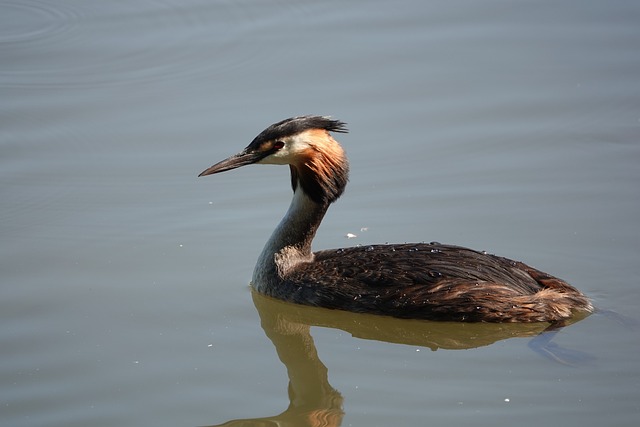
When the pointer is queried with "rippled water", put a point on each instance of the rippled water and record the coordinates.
(507, 127)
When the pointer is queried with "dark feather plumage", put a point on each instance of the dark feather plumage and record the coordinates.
(429, 281)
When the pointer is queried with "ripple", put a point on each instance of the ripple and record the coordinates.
(31, 20)
(105, 44)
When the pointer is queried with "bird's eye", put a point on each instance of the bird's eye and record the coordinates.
(278, 145)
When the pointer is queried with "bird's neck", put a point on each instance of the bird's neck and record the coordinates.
(290, 243)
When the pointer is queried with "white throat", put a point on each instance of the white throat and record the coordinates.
(290, 243)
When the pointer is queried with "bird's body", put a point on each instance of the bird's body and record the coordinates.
(423, 280)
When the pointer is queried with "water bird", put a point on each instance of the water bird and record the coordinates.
(410, 280)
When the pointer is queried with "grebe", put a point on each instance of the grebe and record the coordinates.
(418, 280)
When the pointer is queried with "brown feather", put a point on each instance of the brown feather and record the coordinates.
(430, 281)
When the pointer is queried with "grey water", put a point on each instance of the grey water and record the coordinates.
(510, 127)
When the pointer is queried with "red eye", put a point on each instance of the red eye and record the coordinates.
(278, 145)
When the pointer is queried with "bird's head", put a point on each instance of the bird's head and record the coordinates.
(317, 162)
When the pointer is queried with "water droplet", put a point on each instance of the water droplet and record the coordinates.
(369, 248)
(339, 251)
(434, 273)
(413, 249)
(435, 251)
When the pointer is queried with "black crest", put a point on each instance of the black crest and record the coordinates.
(299, 124)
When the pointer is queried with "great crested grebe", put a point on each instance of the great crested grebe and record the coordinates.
(418, 280)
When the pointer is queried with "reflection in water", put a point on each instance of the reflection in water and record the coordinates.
(313, 402)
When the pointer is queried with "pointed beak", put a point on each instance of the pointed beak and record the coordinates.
(241, 159)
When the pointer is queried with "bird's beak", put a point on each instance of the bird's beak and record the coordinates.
(241, 159)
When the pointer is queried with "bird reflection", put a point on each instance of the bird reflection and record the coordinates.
(315, 403)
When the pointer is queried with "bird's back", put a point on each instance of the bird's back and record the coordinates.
(429, 281)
